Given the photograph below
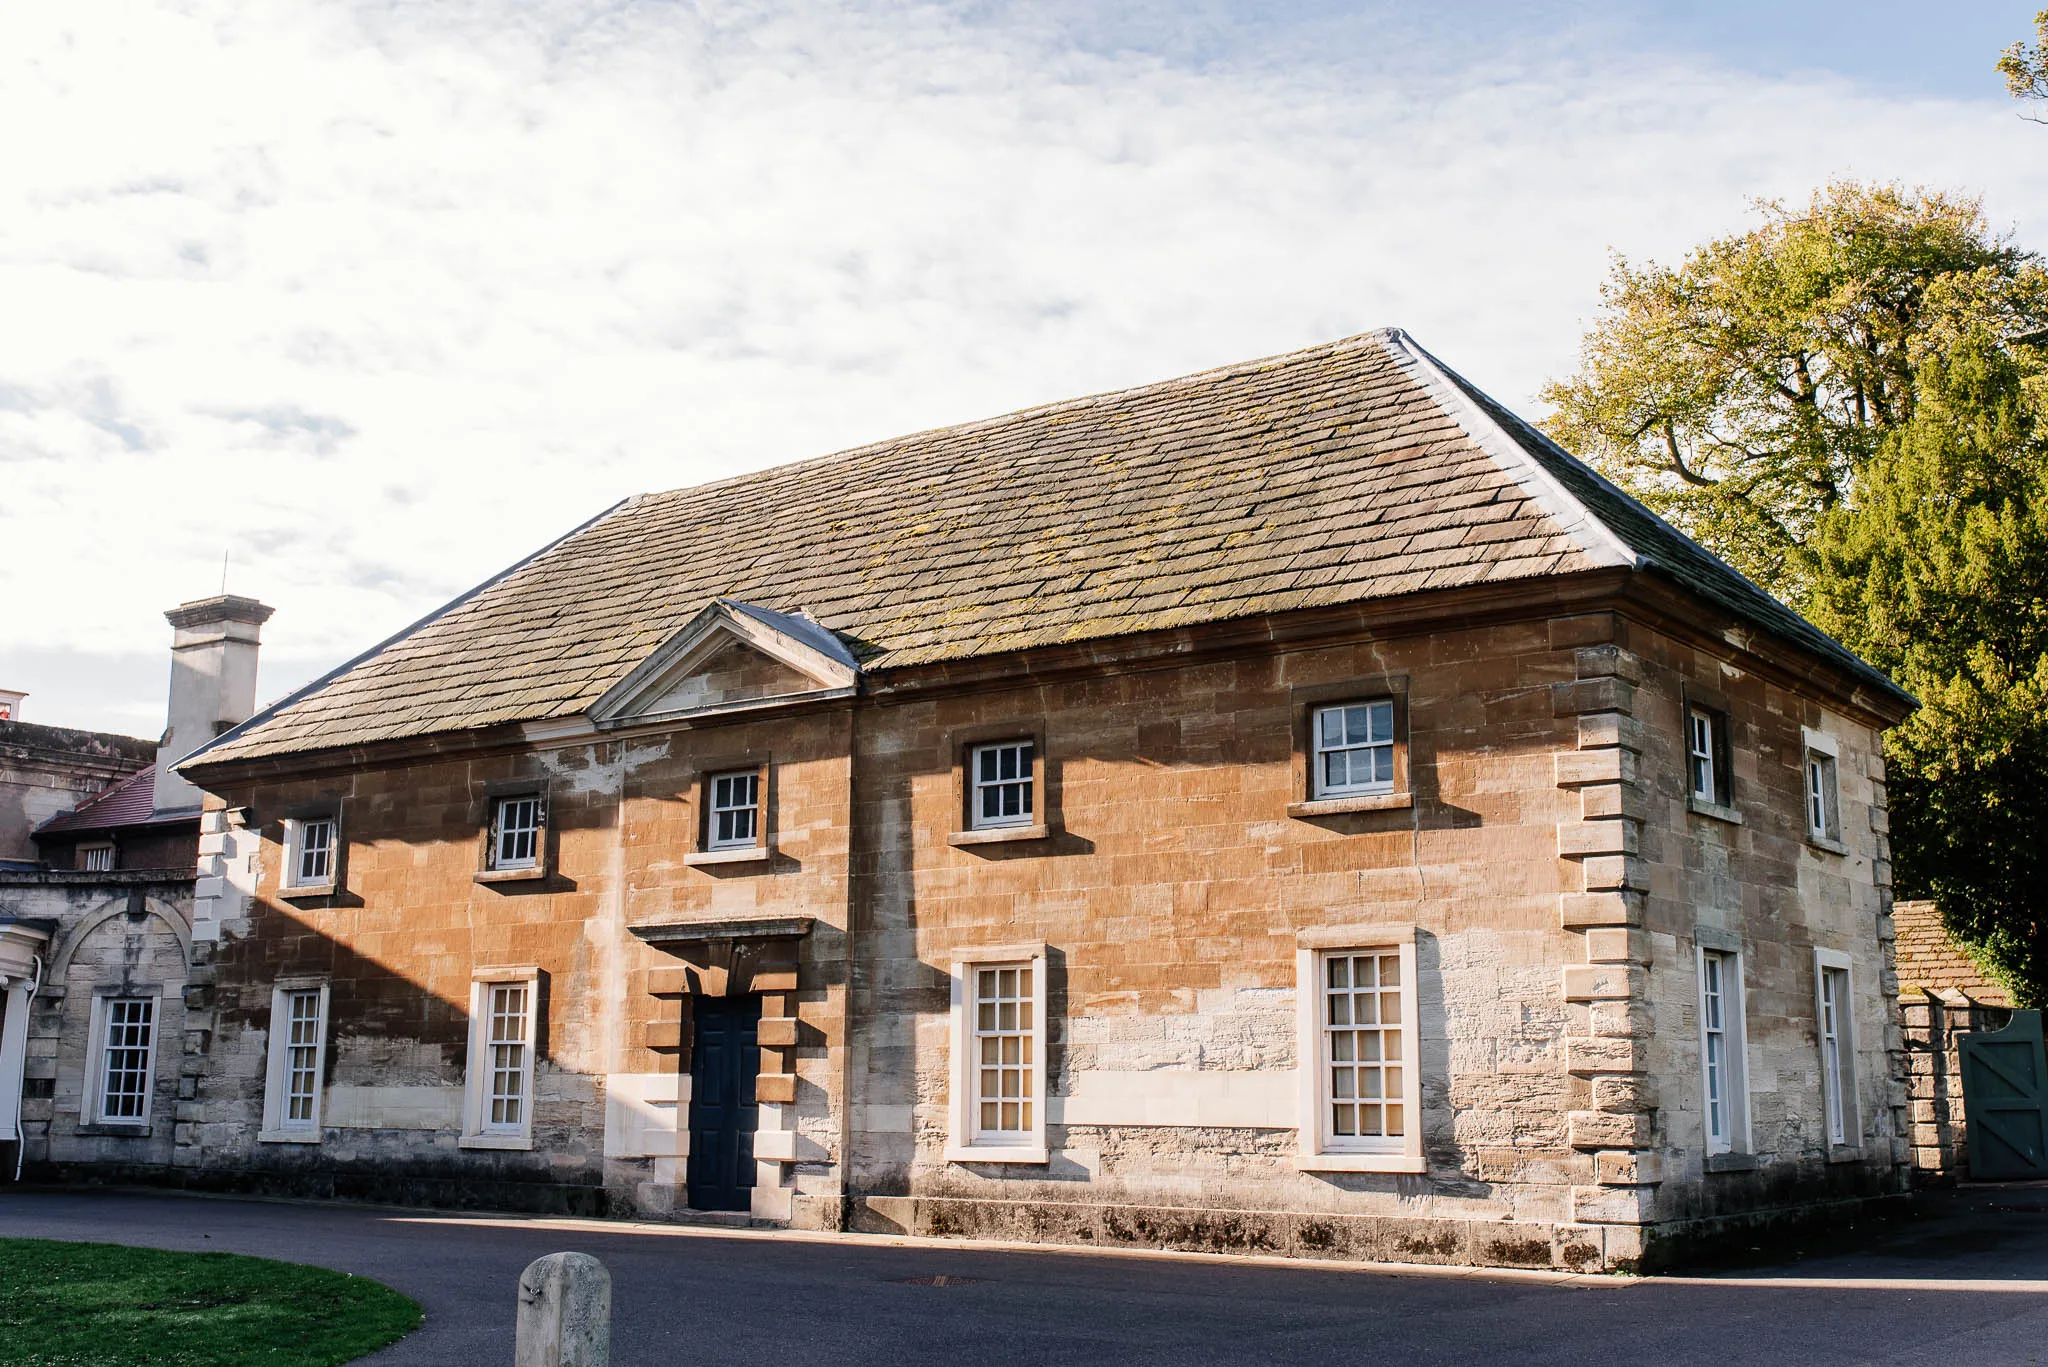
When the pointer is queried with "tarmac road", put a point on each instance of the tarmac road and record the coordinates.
(1962, 1281)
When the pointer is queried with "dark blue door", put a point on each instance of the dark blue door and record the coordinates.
(725, 1058)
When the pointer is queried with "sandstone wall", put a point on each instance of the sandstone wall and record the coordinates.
(1546, 863)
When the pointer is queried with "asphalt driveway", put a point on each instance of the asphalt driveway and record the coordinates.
(1963, 1280)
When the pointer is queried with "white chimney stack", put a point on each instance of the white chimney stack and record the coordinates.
(213, 683)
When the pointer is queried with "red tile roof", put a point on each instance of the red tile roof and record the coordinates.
(1929, 961)
(131, 802)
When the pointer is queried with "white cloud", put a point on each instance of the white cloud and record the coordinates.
(378, 298)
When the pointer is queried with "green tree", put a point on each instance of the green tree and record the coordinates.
(1847, 402)
(2025, 67)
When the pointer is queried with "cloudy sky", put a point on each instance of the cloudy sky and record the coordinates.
(374, 298)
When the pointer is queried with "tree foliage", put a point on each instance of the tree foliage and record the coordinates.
(1848, 403)
(2025, 67)
(1740, 393)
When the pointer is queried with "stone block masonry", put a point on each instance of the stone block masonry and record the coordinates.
(1533, 866)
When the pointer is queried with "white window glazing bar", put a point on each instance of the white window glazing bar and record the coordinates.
(125, 1056)
(1363, 1050)
(518, 833)
(302, 1058)
(506, 1048)
(1700, 755)
(735, 811)
(1354, 748)
(1005, 1052)
(1002, 785)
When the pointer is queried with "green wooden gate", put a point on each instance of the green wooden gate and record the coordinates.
(2005, 1098)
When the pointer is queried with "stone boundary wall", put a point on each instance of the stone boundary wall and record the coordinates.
(1934, 1063)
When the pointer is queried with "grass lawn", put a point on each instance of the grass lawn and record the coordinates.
(101, 1305)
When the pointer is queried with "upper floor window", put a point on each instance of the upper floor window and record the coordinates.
(1823, 792)
(310, 852)
(516, 824)
(1354, 748)
(1707, 778)
(735, 818)
(97, 858)
(1822, 819)
(1001, 784)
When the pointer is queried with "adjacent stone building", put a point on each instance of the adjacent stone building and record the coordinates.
(1291, 808)
(96, 932)
(46, 771)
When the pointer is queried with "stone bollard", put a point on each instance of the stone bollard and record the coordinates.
(565, 1313)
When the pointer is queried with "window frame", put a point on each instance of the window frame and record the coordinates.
(1317, 1149)
(1319, 791)
(961, 746)
(1702, 704)
(278, 1126)
(1027, 780)
(293, 875)
(1823, 752)
(82, 856)
(1726, 954)
(94, 1103)
(489, 817)
(478, 1131)
(1838, 1092)
(1306, 703)
(962, 1142)
(759, 807)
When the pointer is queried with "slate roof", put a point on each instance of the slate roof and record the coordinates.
(131, 802)
(1356, 470)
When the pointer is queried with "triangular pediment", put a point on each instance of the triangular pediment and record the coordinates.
(731, 657)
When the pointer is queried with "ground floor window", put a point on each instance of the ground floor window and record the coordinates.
(298, 1055)
(999, 1056)
(499, 1095)
(1724, 1084)
(1361, 1093)
(123, 1054)
(1835, 1020)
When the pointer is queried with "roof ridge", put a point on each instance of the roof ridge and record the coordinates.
(1564, 507)
(1355, 342)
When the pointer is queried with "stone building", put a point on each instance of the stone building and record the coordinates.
(46, 771)
(1294, 807)
(96, 933)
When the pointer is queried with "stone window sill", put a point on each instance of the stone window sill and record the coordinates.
(1845, 1153)
(496, 1141)
(532, 875)
(1731, 1162)
(1821, 842)
(288, 1137)
(1361, 1162)
(1714, 810)
(109, 1130)
(975, 1153)
(1361, 802)
(752, 854)
(999, 835)
(298, 890)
